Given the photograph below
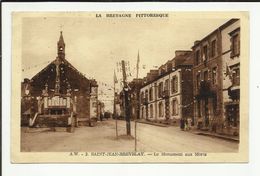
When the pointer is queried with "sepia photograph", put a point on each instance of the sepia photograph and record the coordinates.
(129, 86)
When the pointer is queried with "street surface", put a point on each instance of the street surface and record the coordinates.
(102, 138)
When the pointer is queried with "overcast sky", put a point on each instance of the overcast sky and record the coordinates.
(94, 45)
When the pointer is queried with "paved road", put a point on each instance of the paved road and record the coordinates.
(102, 138)
(169, 139)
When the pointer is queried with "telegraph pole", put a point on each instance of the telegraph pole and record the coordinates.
(137, 73)
(137, 65)
(127, 112)
(114, 109)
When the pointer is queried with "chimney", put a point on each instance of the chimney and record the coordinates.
(181, 52)
(196, 42)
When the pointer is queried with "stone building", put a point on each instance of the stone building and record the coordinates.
(58, 90)
(211, 55)
(166, 95)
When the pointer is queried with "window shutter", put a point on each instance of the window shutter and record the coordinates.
(172, 107)
(231, 47)
(210, 49)
(176, 84)
(172, 85)
(238, 44)
(216, 48)
(176, 107)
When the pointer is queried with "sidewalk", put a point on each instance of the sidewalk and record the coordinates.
(211, 134)
(195, 131)
(152, 123)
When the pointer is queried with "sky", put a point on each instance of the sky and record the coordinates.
(95, 45)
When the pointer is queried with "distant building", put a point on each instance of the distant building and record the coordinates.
(213, 61)
(94, 99)
(59, 90)
(117, 109)
(134, 99)
(134, 96)
(167, 95)
(100, 110)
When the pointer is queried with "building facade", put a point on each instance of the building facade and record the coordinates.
(168, 96)
(211, 63)
(231, 77)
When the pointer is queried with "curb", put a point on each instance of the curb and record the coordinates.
(218, 136)
(155, 124)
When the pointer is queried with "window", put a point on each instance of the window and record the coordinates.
(197, 57)
(235, 45)
(151, 94)
(214, 103)
(235, 42)
(166, 88)
(166, 85)
(146, 94)
(143, 112)
(232, 113)
(206, 77)
(160, 109)
(198, 109)
(205, 53)
(174, 84)
(236, 76)
(214, 75)
(213, 48)
(142, 97)
(155, 90)
(198, 81)
(174, 107)
(151, 111)
(160, 89)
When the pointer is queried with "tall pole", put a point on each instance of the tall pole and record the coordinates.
(137, 73)
(57, 79)
(135, 135)
(127, 112)
(115, 103)
(137, 65)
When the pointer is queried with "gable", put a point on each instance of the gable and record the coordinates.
(69, 75)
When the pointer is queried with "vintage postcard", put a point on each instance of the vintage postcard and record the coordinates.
(129, 87)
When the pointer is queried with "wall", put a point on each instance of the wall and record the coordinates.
(187, 92)
(208, 65)
(156, 100)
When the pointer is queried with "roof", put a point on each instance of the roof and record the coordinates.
(61, 40)
(184, 60)
(69, 76)
(188, 60)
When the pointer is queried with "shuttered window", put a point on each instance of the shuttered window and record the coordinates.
(174, 83)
